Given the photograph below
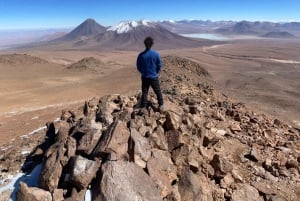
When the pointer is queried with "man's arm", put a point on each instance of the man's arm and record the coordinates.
(158, 64)
(138, 64)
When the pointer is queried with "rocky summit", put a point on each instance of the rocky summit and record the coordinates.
(203, 147)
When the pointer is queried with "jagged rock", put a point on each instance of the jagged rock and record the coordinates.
(141, 148)
(237, 176)
(173, 139)
(83, 171)
(208, 154)
(188, 185)
(207, 170)
(162, 171)
(194, 160)
(180, 155)
(86, 110)
(90, 107)
(158, 139)
(226, 181)
(68, 116)
(221, 166)
(26, 193)
(195, 109)
(188, 121)
(76, 195)
(235, 128)
(52, 169)
(277, 122)
(88, 141)
(113, 141)
(58, 195)
(107, 105)
(245, 192)
(254, 155)
(208, 125)
(268, 164)
(173, 121)
(218, 115)
(62, 134)
(71, 149)
(125, 181)
(292, 164)
(283, 172)
(197, 187)
(263, 188)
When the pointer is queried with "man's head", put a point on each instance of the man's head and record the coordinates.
(148, 42)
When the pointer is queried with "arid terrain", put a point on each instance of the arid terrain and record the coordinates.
(264, 74)
(36, 85)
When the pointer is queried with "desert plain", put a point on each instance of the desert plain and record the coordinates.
(37, 84)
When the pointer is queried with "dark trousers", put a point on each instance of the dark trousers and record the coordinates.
(154, 83)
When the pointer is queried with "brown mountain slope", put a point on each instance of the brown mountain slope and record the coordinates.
(204, 146)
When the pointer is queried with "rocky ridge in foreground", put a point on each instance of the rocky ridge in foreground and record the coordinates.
(202, 147)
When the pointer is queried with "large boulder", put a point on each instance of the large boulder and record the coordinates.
(125, 181)
(141, 148)
(52, 169)
(173, 120)
(26, 193)
(221, 166)
(83, 171)
(88, 141)
(163, 172)
(245, 192)
(113, 142)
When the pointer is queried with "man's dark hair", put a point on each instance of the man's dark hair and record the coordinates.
(148, 42)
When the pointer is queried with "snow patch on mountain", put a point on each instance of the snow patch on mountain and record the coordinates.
(126, 26)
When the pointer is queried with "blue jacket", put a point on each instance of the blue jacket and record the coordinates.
(149, 63)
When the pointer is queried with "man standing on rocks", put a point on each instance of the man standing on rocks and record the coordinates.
(149, 64)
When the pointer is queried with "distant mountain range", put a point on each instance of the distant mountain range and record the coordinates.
(129, 35)
(195, 26)
(230, 27)
(279, 34)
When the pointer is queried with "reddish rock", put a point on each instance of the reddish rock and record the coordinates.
(141, 149)
(158, 139)
(125, 181)
(246, 192)
(221, 166)
(162, 171)
(52, 168)
(235, 128)
(26, 193)
(173, 121)
(88, 141)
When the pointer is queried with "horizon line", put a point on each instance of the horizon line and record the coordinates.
(74, 26)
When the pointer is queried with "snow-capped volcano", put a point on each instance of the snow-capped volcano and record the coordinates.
(129, 35)
(126, 26)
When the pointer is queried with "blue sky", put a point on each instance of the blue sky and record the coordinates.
(21, 14)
